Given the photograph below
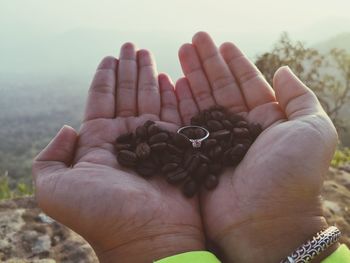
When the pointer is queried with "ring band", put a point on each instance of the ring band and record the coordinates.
(196, 143)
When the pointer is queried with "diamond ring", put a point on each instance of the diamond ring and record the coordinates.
(192, 132)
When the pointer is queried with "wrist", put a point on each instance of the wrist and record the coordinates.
(271, 240)
(152, 248)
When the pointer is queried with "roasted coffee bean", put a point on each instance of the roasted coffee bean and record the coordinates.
(241, 132)
(181, 141)
(125, 138)
(127, 158)
(215, 168)
(227, 124)
(234, 118)
(217, 115)
(220, 135)
(176, 176)
(173, 149)
(255, 130)
(146, 168)
(211, 181)
(169, 167)
(190, 188)
(199, 133)
(209, 143)
(141, 132)
(239, 150)
(214, 125)
(204, 158)
(153, 129)
(242, 124)
(122, 146)
(148, 123)
(159, 146)
(154, 157)
(159, 137)
(201, 172)
(193, 163)
(143, 151)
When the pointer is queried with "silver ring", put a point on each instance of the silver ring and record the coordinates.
(196, 143)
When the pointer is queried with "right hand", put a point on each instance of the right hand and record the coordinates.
(270, 203)
(79, 182)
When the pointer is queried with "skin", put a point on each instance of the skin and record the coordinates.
(268, 205)
(260, 211)
(79, 182)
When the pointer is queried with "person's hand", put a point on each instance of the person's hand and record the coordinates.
(270, 203)
(78, 181)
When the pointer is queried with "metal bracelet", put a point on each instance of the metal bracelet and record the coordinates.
(312, 248)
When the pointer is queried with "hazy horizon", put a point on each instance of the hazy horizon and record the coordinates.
(69, 37)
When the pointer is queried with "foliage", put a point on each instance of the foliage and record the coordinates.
(341, 157)
(6, 192)
(328, 75)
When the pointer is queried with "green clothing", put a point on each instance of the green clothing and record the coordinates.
(341, 255)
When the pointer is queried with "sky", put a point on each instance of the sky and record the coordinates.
(33, 31)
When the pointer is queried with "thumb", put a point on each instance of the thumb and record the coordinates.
(58, 154)
(294, 97)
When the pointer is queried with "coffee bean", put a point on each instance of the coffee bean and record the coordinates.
(199, 133)
(255, 130)
(239, 150)
(148, 123)
(234, 118)
(204, 158)
(215, 168)
(174, 150)
(227, 124)
(122, 146)
(143, 150)
(127, 158)
(159, 146)
(216, 152)
(176, 176)
(220, 135)
(242, 124)
(201, 172)
(146, 168)
(181, 141)
(211, 181)
(192, 165)
(141, 132)
(159, 137)
(214, 125)
(153, 129)
(125, 138)
(209, 143)
(217, 115)
(190, 188)
(241, 132)
(169, 167)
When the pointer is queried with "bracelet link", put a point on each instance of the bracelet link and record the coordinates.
(312, 248)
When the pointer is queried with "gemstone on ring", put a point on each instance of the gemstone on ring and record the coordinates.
(196, 142)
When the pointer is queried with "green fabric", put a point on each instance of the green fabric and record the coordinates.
(191, 257)
(341, 255)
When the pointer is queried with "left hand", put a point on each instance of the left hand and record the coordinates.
(125, 218)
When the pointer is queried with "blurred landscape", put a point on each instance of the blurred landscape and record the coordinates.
(34, 107)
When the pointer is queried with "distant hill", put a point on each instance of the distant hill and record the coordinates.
(341, 41)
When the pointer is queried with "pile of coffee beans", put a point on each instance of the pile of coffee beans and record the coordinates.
(151, 150)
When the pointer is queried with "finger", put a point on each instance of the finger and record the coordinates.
(193, 71)
(294, 97)
(127, 80)
(169, 111)
(58, 154)
(148, 97)
(101, 97)
(187, 105)
(225, 89)
(255, 89)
